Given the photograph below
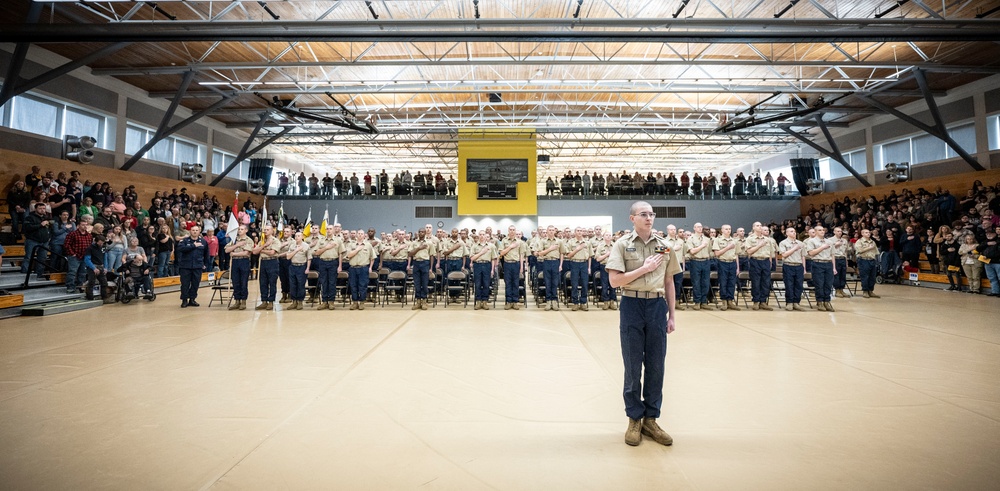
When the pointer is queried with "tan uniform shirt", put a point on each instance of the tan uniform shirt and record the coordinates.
(629, 253)
(602, 249)
(363, 257)
(448, 243)
(720, 243)
(765, 252)
(839, 246)
(581, 247)
(334, 252)
(516, 245)
(678, 245)
(545, 244)
(741, 248)
(697, 241)
(861, 248)
(300, 256)
(487, 252)
(815, 243)
(276, 245)
(794, 258)
(423, 249)
(244, 245)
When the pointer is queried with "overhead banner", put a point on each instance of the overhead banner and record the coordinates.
(496, 172)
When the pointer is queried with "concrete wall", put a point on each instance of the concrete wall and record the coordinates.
(387, 215)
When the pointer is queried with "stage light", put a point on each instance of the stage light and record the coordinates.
(898, 172)
(192, 173)
(78, 148)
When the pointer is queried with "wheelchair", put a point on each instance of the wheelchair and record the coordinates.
(128, 288)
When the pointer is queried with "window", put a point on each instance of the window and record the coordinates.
(927, 148)
(895, 152)
(36, 116)
(221, 160)
(993, 130)
(965, 136)
(432, 212)
(163, 151)
(55, 119)
(82, 123)
(187, 153)
(170, 150)
(135, 138)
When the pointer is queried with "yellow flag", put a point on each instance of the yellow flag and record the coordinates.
(322, 226)
(307, 231)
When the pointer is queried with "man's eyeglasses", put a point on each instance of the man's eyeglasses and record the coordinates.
(645, 214)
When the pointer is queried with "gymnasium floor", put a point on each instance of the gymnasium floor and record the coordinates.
(897, 393)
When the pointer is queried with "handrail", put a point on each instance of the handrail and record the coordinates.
(47, 265)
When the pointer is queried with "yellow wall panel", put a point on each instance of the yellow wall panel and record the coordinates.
(497, 144)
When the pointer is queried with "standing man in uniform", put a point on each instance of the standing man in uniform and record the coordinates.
(512, 252)
(484, 261)
(420, 252)
(239, 253)
(724, 249)
(643, 265)
(601, 254)
(759, 249)
(792, 268)
(268, 268)
(549, 254)
(298, 255)
(192, 256)
(452, 250)
(677, 245)
(840, 262)
(328, 251)
(698, 248)
(360, 256)
(283, 262)
(821, 251)
(867, 252)
(578, 252)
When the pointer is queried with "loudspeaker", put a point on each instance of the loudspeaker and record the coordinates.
(802, 171)
(261, 169)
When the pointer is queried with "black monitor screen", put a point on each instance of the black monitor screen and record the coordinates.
(496, 170)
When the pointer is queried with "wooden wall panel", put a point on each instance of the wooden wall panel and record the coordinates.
(958, 184)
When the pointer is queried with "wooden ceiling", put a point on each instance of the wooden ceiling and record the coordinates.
(648, 104)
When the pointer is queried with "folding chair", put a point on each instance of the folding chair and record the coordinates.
(742, 280)
(395, 285)
(312, 286)
(343, 290)
(373, 288)
(221, 291)
(539, 289)
(777, 285)
(458, 283)
(808, 289)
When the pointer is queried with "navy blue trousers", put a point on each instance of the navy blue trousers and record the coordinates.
(512, 281)
(357, 278)
(727, 280)
(701, 280)
(239, 275)
(643, 332)
(823, 280)
(421, 278)
(792, 278)
(297, 282)
(482, 279)
(327, 278)
(268, 278)
(760, 279)
(867, 270)
(578, 281)
(550, 271)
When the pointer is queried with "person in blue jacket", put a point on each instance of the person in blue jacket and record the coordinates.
(191, 257)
